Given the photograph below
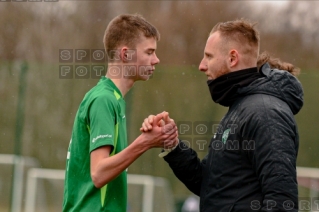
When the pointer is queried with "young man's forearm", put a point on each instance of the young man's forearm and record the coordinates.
(109, 168)
(105, 168)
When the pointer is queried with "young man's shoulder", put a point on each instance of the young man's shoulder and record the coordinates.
(99, 97)
(102, 92)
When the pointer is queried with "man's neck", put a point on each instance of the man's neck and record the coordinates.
(124, 85)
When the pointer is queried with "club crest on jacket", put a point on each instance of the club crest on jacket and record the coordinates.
(225, 136)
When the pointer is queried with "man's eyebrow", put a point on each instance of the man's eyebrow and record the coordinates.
(208, 54)
(150, 49)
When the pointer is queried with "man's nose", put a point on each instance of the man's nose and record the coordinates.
(202, 66)
(155, 60)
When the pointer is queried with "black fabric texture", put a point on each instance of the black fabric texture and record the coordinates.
(223, 89)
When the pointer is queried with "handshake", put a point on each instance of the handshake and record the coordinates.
(163, 130)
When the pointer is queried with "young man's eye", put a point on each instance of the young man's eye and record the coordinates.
(150, 52)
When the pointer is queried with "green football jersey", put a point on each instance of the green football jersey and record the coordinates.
(100, 121)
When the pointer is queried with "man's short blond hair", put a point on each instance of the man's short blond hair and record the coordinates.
(242, 32)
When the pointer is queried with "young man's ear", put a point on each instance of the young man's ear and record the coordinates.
(233, 58)
(124, 54)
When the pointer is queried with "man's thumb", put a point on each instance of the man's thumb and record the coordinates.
(157, 119)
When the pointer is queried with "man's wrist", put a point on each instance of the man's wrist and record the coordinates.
(167, 151)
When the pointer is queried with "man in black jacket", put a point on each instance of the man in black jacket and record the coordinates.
(251, 161)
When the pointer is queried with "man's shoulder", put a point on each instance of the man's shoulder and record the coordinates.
(263, 106)
(101, 93)
(259, 106)
(262, 101)
(97, 97)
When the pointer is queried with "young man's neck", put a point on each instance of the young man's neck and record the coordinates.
(124, 85)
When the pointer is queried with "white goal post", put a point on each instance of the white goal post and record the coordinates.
(149, 184)
(19, 164)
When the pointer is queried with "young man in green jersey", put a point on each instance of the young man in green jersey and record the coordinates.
(98, 154)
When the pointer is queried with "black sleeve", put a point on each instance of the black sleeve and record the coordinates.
(274, 158)
(186, 166)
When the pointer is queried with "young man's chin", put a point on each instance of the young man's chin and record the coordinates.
(144, 77)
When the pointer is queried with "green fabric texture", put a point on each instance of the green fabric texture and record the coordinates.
(100, 121)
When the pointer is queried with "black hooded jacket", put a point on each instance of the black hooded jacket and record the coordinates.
(251, 161)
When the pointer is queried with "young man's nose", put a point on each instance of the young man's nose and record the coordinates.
(155, 60)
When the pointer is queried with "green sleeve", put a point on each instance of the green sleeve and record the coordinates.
(102, 120)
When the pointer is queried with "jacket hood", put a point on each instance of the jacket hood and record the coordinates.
(278, 83)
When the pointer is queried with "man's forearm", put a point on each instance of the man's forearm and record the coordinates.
(110, 167)
(186, 166)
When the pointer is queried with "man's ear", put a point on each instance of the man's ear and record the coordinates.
(124, 54)
(233, 58)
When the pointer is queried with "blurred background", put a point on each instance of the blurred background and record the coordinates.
(38, 106)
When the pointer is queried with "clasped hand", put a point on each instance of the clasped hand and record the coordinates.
(163, 123)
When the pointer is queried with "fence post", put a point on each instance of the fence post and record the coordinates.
(16, 189)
